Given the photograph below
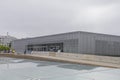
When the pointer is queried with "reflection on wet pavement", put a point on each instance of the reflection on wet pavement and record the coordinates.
(23, 69)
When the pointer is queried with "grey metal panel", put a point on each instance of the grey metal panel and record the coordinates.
(77, 42)
(86, 43)
(71, 46)
(107, 45)
(19, 45)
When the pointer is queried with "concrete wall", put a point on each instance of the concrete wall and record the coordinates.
(74, 56)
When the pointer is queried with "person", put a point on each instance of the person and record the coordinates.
(25, 52)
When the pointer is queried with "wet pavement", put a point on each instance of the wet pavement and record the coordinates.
(23, 69)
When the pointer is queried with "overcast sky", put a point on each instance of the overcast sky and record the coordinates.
(31, 18)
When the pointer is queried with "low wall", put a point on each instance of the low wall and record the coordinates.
(59, 58)
(22, 56)
(40, 53)
(105, 59)
(90, 57)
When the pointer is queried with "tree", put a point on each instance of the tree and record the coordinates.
(4, 48)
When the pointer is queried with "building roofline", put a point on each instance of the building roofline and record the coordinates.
(69, 33)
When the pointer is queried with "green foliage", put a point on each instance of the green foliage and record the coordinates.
(4, 48)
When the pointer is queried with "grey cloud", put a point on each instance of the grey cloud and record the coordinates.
(28, 18)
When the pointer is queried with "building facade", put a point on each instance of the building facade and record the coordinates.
(72, 42)
(6, 40)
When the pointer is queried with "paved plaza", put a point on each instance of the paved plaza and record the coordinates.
(23, 69)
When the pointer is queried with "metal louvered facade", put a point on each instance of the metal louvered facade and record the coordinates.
(73, 42)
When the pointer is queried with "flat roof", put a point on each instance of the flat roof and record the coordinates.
(69, 33)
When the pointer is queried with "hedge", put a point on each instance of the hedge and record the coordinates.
(4, 48)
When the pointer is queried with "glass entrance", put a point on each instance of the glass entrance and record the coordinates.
(54, 47)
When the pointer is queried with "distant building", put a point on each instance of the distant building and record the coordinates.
(6, 40)
(73, 42)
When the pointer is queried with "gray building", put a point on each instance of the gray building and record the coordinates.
(6, 40)
(73, 42)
